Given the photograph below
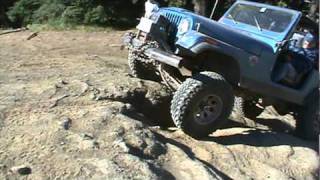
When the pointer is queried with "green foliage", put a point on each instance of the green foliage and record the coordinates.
(96, 16)
(73, 12)
(4, 6)
(48, 12)
(22, 11)
(73, 15)
(177, 3)
(65, 13)
(282, 4)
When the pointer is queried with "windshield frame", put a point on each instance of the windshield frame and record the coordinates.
(276, 36)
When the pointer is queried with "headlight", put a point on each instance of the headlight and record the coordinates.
(184, 26)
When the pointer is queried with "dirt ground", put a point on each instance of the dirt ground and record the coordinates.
(69, 109)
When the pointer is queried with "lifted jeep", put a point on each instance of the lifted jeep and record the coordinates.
(208, 63)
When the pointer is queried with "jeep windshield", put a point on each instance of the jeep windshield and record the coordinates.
(262, 18)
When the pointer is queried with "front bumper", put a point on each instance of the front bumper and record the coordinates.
(164, 57)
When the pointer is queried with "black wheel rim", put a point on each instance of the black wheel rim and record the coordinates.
(208, 109)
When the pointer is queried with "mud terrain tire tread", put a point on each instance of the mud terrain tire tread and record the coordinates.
(135, 66)
(188, 92)
(308, 121)
(246, 108)
(140, 69)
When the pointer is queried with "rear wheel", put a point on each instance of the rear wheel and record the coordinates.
(247, 108)
(308, 118)
(202, 104)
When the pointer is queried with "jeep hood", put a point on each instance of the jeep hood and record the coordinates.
(244, 40)
(241, 39)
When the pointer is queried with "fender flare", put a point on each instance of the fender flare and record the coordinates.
(194, 44)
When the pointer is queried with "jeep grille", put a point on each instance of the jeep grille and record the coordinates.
(174, 20)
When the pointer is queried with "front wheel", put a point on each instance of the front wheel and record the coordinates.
(202, 104)
(308, 120)
(140, 69)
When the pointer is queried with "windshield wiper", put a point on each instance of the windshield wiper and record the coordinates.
(257, 23)
(232, 18)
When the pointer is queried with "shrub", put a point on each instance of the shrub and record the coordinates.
(73, 15)
(96, 16)
(21, 13)
(177, 3)
(92, 12)
(48, 12)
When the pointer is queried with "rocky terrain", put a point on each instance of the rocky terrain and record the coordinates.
(69, 109)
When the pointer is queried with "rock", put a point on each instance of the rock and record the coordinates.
(141, 168)
(108, 113)
(115, 95)
(22, 170)
(87, 136)
(108, 168)
(63, 82)
(126, 108)
(182, 166)
(88, 144)
(66, 123)
(120, 140)
(93, 96)
(84, 88)
(60, 84)
(2, 166)
(122, 145)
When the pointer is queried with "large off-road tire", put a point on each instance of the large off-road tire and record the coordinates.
(308, 118)
(247, 108)
(141, 69)
(202, 104)
(282, 111)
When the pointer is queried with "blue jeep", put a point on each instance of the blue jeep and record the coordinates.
(208, 63)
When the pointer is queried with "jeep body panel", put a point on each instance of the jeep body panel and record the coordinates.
(227, 35)
(216, 30)
(249, 65)
(240, 35)
(254, 51)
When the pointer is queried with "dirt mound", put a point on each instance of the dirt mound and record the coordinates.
(70, 110)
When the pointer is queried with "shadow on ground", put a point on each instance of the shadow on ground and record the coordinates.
(275, 132)
(262, 138)
(191, 155)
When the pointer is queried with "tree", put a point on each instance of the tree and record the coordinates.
(314, 9)
(22, 11)
(4, 6)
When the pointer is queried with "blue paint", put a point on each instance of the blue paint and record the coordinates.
(240, 35)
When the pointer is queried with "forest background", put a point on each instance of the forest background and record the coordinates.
(62, 14)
